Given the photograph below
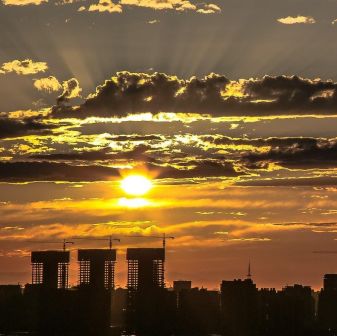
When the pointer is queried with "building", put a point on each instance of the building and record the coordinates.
(145, 268)
(11, 309)
(198, 312)
(296, 309)
(50, 269)
(330, 282)
(327, 304)
(239, 307)
(150, 307)
(179, 285)
(97, 268)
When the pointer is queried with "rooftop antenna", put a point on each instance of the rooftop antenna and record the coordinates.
(249, 275)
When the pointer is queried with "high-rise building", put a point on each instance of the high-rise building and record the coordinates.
(50, 269)
(327, 304)
(149, 305)
(97, 268)
(239, 307)
(330, 282)
(145, 268)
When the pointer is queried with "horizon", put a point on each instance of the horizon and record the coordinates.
(211, 121)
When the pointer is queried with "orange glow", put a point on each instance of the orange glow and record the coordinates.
(133, 202)
(136, 185)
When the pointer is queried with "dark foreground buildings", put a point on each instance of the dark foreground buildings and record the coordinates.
(146, 307)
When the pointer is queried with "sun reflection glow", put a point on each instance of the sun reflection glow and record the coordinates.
(133, 202)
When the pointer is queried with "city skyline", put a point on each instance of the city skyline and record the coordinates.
(146, 307)
(120, 268)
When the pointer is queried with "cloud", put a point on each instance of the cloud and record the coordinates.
(133, 93)
(290, 182)
(250, 239)
(299, 19)
(301, 154)
(176, 5)
(48, 84)
(281, 142)
(25, 67)
(179, 5)
(71, 89)
(209, 9)
(49, 171)
(105, 6)
(11, 128)
(138, 92)
(201, 169)
(23, 2)
(136, 137)
(25, 171)
(104, 154)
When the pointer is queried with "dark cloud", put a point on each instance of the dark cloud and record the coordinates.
(310, 224)
(137, 153)
(283, 142)
(52, 171)
(290, 182)
(293, 92)
(71, 89)
(11, 128)
(129, 93)
(301, 154)
(204, 168)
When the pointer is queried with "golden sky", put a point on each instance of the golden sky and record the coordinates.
(229, 111)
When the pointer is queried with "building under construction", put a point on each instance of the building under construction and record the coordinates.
(97, 268)
(145, 268)
(50, 269)
(147, 297)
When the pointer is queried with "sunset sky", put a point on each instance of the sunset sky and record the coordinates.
(229, 107)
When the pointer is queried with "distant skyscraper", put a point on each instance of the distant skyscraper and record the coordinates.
(50, 268)
(179, 285)
(327, 305)
(330, 282)
(239, 307)
(97, 268)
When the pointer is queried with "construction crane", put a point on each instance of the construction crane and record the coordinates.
(110, 239)
(164, 237)
(64, 243)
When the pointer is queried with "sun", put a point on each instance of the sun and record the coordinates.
(136, 185)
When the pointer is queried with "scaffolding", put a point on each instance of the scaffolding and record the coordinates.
(97, 268)
(50, 269)
(132, 274)
(145, 268)
(37, 273)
